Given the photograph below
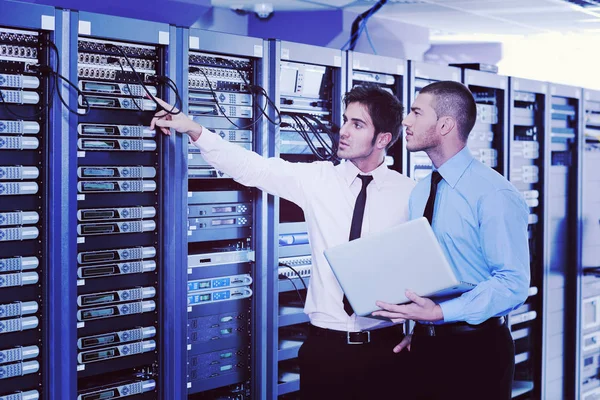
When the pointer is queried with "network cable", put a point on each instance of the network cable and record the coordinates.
(54, 77)
(295, 272)
(162, 79)
(218, 104)
(302, 122)
(56, 74)
(253, 89)
(359, 25)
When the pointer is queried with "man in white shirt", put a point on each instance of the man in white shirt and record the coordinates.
(355, 352)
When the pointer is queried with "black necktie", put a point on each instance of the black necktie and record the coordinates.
(356, 225)
(428, 213)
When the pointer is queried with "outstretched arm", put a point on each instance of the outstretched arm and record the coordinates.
(274, 175)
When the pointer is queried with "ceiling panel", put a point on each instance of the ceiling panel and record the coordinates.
(397, 8)
(455, 16)
(332, 3)
(279, 5)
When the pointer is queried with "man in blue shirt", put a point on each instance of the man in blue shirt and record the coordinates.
(462, 348)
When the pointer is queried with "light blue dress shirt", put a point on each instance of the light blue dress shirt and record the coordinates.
(480, 220)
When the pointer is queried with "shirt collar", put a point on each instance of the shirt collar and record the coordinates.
(453, 169)
(350, 172)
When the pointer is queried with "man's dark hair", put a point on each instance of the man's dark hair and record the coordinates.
(384, 109)
(453, 99)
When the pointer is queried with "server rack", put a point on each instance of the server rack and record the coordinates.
(417, 164)
(225, 263)
(26, 187)
(174, 354)
(119, 264)
(489, 138)
(526, 170)
(388, 73)
(562, 244)
(588, 327)
(307, 83)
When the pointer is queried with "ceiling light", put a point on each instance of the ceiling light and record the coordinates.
(263, 10)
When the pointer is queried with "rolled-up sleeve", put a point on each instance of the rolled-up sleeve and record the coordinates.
(503, 221)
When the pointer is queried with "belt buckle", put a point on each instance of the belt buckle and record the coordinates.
(349, 341)
(430, 330)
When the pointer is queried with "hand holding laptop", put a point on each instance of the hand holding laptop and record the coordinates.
(421, 309)
(383, 265)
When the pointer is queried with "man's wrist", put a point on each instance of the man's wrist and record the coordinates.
(195, 132)
(439, 314)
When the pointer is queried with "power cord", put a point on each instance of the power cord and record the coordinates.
(295, 272)
(360, 24)
(282, 276)
(58, 76)
(53, 76)
(256, 90)
(157, 77)
(15, 114)
(218, 104)
(116, 60)
(37, 114)
(303, 120)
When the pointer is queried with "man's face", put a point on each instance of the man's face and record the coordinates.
(421, 125)
(356, 134)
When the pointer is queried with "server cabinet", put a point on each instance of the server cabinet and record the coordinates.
(307, 83)
(417, 164)
(489, 138)
(562, 245)
(388, 73)
(588, 328)
(225, 92)
(26, 185)
(118, 64)
(527, 158)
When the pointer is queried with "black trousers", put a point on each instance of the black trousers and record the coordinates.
(332, 369)
(471, 365)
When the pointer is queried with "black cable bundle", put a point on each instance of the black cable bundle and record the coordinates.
(316, 127)
(282, 276)
(254, 90)
(257, 90)
(54, 77)
(360, 23)
(176, 109)
(215, 98)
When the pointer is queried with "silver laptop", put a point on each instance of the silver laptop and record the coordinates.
(382, 265)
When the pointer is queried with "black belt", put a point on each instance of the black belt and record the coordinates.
(456, 328)
(395, 332)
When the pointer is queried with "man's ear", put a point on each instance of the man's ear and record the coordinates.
(383, 139)
(447, 125)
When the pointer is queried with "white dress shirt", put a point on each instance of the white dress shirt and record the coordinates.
(326, 193)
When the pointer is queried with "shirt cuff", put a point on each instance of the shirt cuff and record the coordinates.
(452, 310)
(206, 140)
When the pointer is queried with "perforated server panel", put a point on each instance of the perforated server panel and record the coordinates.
(119, 228)
(562, 244)
(308, 85)
(24, 149)
(418, 164)
(221, 98)
(224, 81)
(489, 137)
(526, 171)
(389, 73)
(589, 329)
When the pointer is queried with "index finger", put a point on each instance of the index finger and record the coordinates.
(165, 105)
(415, 298)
